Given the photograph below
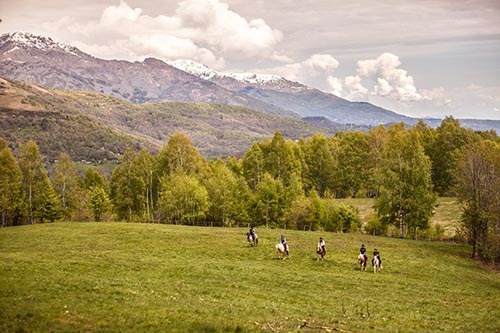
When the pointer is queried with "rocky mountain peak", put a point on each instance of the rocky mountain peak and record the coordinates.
(24, 40)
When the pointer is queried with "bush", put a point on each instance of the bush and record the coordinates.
(348, 218)
(376, 227)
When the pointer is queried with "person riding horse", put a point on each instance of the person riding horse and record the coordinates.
(321, 247)
(252, 233)
(377, 254)
(362, 250)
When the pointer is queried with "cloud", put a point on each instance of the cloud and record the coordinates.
(316, 71)
(355, 90)
(390, 80)
(206, 31)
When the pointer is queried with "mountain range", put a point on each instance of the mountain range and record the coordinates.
(140, 85)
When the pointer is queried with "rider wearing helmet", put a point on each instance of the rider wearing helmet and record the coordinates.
(377, 254)
(362, 250)
(252, 232)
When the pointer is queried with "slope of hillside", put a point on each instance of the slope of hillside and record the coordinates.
(122, 277)
(40, 60)
(96, 125)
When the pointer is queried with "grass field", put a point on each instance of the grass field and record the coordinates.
(99, 277)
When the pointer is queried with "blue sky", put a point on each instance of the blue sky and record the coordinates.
(419, 58)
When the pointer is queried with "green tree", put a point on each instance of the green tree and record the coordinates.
(352, 170)
(268, 205)
(478, 184)
(66, 185)
(179, 156)
(10, 185)
(406, 197)
(225, 195)
(127, 188)
(450, 138)
(183, 199)
(36, 185)
(99, 202)
(320, 162)
(253, 166)
(93, 178)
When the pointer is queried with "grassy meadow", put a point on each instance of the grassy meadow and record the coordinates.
(121, 277)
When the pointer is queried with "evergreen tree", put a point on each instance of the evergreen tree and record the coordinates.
(99, 202)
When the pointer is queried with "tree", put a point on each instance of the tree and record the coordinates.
(320, 163)
(478, 184)
(253, 166)
(66, 184)
(179, 155)
(127, 188)
(10, 185)
(352, 170)
(268, 205)
(444, 153)
(406, 197)
(183, 199)
(36, 185)
(99, 202)
(226, 195)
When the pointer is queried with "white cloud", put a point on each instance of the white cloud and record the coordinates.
(390, 80)
(354, 89)
(206, 31)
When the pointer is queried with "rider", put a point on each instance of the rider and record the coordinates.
(285, 245)
(362, 250)
(252, 232)
(321, 244)
(377, 254)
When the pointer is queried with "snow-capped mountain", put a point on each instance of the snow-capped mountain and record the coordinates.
(237, 80)
(40, 60)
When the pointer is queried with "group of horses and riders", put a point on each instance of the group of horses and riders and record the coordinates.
(363, 259)
(283, 249)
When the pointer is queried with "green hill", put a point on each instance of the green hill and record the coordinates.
(95, 126)
(165, 278)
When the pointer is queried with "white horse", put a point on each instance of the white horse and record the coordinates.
(376, 264)
(253, 240)
(281, 250)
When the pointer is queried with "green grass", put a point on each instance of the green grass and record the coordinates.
(122, 277)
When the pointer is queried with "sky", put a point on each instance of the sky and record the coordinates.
(427, 58)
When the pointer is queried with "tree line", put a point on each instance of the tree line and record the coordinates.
(276, 183)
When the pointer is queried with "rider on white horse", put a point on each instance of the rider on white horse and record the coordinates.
(252, 232)
(377, 254)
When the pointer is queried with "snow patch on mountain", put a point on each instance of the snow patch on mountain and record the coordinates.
(207, 73)
(27, 40)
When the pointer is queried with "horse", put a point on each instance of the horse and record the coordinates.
(281, 250)
(321, 253)
(376, 264)
(362, 262)
(253, 240)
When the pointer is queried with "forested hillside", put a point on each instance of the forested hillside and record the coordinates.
(94, 126)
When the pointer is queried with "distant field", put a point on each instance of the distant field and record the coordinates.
(121, 277)
(447, 212)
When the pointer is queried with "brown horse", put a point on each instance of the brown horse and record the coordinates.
(253, 240)
(281, 250)
(321, 253)
(362, 262)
